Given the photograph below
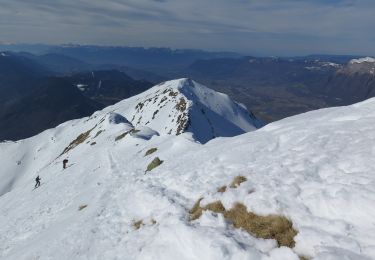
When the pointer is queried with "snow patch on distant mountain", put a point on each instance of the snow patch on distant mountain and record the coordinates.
(360, 66)
(363, 60)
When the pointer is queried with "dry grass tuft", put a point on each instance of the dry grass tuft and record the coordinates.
(196, 211)
(216, 207)
(266, 227)
(98, 133)
(237, 181)
(121, 136)
(138, 224)
(80, 139)
(155, 163)
(151, 151)
(222, 189)
(82, 207)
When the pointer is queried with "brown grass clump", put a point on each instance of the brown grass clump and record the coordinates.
(151, 151)
(155, 163)
(237, 181)
(222, 189)
(82, 207)
(216, 207)
(121, 136)
(80, 139)
(196, 211)
(138, 224)
(98, 133)
(266, 227)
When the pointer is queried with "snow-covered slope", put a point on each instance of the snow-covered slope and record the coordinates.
(316, 169)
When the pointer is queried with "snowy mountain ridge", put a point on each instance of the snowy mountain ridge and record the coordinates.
(362, 60)
(133, 191)
(360, 66)
(176, 106)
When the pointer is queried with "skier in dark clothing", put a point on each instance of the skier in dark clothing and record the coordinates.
(37, 179)
(65, 163)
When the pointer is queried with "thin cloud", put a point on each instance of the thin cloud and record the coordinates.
(258, 26)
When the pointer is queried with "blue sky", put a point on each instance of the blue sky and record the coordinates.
(266, 27)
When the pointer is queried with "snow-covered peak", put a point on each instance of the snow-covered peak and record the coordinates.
(363, 60)
(183, 105)
(360, 66)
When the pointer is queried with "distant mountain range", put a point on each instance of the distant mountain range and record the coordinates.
(34, 99)
(272, 87)
(279, 87)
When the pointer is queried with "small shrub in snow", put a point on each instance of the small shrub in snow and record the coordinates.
(222, 189)
(235, 184)
(82, 207)
(98, 133)
(138, 224)
(155, 163)
(121, 136)
(237, 181)
(196, 211)
(80, 139)
(151, 151)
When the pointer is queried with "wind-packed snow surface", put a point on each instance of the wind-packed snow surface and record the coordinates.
(317, 169)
